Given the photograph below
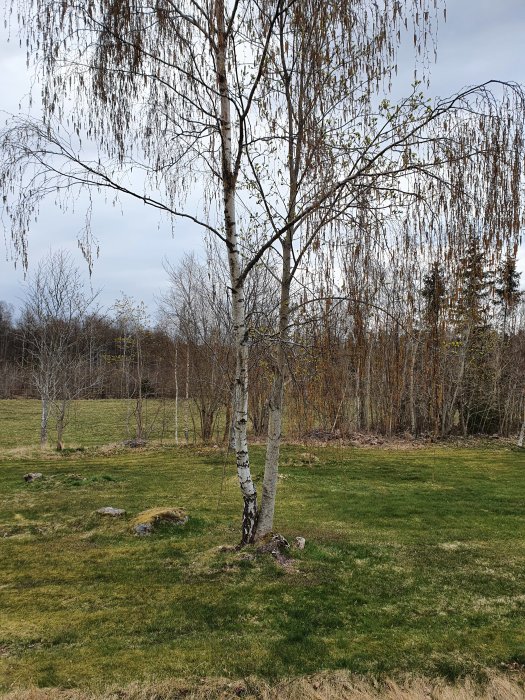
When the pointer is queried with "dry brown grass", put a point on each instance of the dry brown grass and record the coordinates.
(154, 516)
(325, 686)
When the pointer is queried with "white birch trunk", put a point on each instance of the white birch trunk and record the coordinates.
(273, 445)
(275, 417)
(240, 405)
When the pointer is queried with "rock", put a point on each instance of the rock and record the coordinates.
(32, 476)
(143, 529)
(299, 542)
(155, 516)
(112, 512)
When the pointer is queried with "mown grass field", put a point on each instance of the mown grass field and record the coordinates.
(414, 563)
(91, 423)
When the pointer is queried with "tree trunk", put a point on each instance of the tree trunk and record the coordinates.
(187, 396)
(176, 394)
(240, 406)
(44, 419)
(459, 382)
(357, 403)
(271, 465)
(367, 407)
(273, 446)
(61, 423)
(207, 418)
(412, 395)
(275, 409)
(521, 437)
(228, 433)
(139, 405)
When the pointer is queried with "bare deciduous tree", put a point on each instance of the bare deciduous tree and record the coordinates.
(53, 315)
(197, 305)
(227, 94)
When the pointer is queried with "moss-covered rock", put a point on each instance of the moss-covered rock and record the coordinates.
(145, 522)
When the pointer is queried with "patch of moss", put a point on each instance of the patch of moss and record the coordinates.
(155, 516)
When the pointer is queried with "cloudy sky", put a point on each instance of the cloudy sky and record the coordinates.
(481, 40)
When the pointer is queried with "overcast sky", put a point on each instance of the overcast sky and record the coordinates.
(481, 40)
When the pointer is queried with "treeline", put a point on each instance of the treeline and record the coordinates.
(435, 349)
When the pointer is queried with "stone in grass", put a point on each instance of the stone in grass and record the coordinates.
(32, 476)
(145, 522)
(278, 547)
(112, 512)
(299, 542)
(143, 529)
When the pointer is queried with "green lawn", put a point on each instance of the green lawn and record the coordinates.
(94, 422)
(414, 562)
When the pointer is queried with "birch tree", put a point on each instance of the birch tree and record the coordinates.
(156, 88)
(53, 315)
(197, 306)
(346, 168)
(132, 321)
(223, 93)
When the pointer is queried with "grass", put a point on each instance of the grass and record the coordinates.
(324, 686)
(90, 423)
(414, 564)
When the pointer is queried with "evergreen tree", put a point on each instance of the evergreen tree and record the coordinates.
(434, 294)
(507, 289)
(474, 395)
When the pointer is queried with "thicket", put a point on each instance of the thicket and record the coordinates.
(434, 349)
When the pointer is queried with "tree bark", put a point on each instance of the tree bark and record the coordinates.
(139, 403)
(412, 395)
(44, 419)
(459, 382)
(61, 422)
(187, 396)
(176, 393)
(367, 408)
(273, 446)
(275, 417)
(521, 437)
(240, 405)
